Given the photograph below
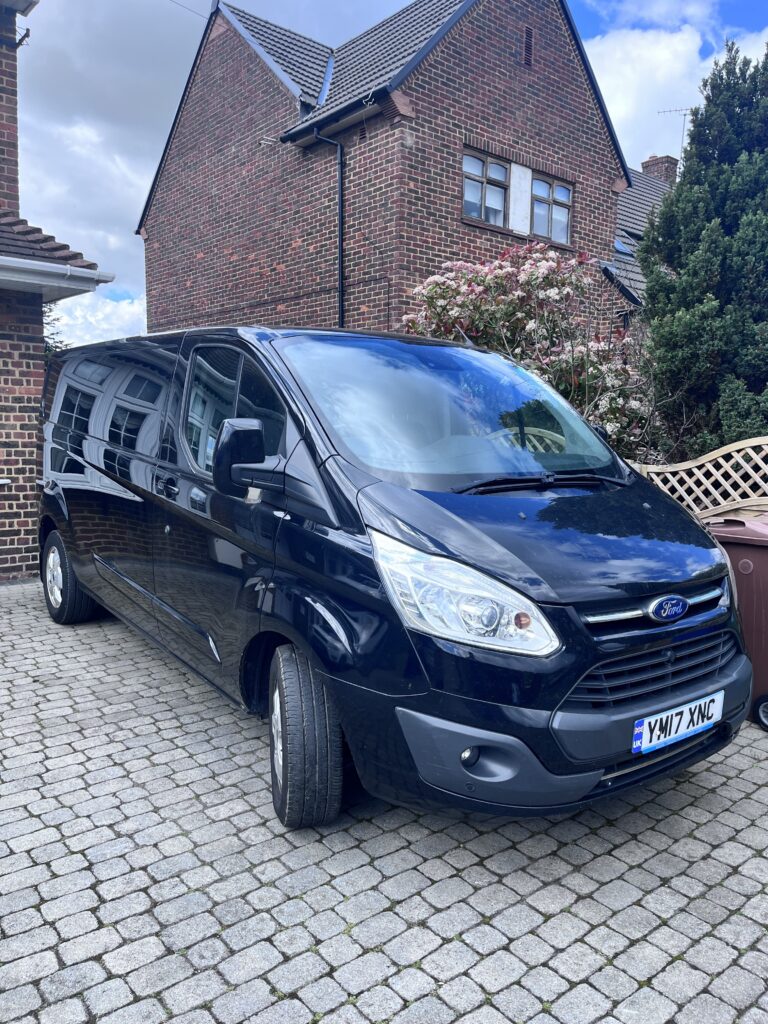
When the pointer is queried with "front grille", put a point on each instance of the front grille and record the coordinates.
(709, 600)
(659, 672)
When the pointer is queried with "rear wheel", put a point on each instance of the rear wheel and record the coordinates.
(761, 712)
(66, 600)
(305, 743)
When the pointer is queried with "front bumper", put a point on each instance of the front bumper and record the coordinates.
(409, 751)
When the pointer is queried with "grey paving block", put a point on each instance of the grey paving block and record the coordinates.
(144, 877)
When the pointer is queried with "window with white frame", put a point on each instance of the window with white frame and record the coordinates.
(512, 196)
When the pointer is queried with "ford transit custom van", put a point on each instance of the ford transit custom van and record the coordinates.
(412, 551)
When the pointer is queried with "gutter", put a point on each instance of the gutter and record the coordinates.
(295, 133)
(37, 276)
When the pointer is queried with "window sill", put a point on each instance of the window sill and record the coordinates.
(515, 235)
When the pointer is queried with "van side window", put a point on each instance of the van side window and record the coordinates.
(258, 400)
(124, 427)
(142, 388)
(75, 413)
(211, 400)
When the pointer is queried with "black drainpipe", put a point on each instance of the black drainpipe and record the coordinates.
(340, 200)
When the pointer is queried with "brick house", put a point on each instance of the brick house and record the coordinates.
(34, 269)
(450, 130)
(636, 204)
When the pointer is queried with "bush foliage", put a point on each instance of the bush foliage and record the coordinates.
(531, 304)
(706, 261)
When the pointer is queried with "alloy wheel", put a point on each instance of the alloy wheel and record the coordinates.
(53, 577)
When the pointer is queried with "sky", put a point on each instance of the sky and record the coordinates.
(100, 80)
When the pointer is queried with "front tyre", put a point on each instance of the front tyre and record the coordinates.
(67, 602)
(760, 711)
(306, 749)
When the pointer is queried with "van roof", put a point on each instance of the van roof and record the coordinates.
(260, 332)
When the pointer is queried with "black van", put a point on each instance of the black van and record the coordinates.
(410, 549)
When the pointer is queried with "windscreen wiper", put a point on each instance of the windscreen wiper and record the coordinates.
(583, 476)
(506, 483)
(575, 478)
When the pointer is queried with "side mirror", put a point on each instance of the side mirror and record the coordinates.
(239, 459)
(601, 432)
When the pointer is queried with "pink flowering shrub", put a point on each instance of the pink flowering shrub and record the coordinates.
(538, 306)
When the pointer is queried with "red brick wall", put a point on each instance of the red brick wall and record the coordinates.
(244, 230)
(475, 88)
(22, 368)
(9, 141)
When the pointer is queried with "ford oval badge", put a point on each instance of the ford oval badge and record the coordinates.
(668, 609)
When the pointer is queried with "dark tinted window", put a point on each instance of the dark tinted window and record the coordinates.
(63, 463)
(118, 465)
(440, 416)
(125, 426)
(97, 373)
(75, 414)
(143, 388)
(76, 409)
(258, 400)
(211, 400)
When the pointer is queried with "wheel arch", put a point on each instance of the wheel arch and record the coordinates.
(46, 528)
(254, 669)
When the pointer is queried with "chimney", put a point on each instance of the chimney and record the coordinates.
(9, 111)
(662, 167)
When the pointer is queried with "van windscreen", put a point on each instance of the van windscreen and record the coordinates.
(434, 416)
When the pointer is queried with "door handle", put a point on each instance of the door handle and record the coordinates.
(167, 487)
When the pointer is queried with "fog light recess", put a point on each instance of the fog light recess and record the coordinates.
(469, 757)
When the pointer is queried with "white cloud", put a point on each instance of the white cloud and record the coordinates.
(95, 317)
(100, 81)
(668, 14)
(644, 71)
(753, 44)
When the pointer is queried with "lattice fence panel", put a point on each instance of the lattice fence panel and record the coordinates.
(735, 476)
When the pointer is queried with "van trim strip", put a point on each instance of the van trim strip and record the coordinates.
(638, 613)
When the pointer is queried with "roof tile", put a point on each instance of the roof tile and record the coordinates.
(19, 239)
(303, 60)
(637, 202)
(361, 65)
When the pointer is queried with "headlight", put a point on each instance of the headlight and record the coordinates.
(732, 587)
(734, 593)
(447, 599)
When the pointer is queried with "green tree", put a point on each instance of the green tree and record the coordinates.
(706, 260)
(51, 328)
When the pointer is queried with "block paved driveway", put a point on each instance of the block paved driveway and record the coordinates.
(145, 878)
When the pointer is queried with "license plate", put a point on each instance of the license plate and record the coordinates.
(677, 724)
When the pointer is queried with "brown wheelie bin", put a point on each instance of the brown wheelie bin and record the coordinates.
(744, 535)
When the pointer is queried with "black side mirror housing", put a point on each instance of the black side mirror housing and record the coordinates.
(601, 432)
(240, 461)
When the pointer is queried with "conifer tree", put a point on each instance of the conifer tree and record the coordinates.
(706, 260)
